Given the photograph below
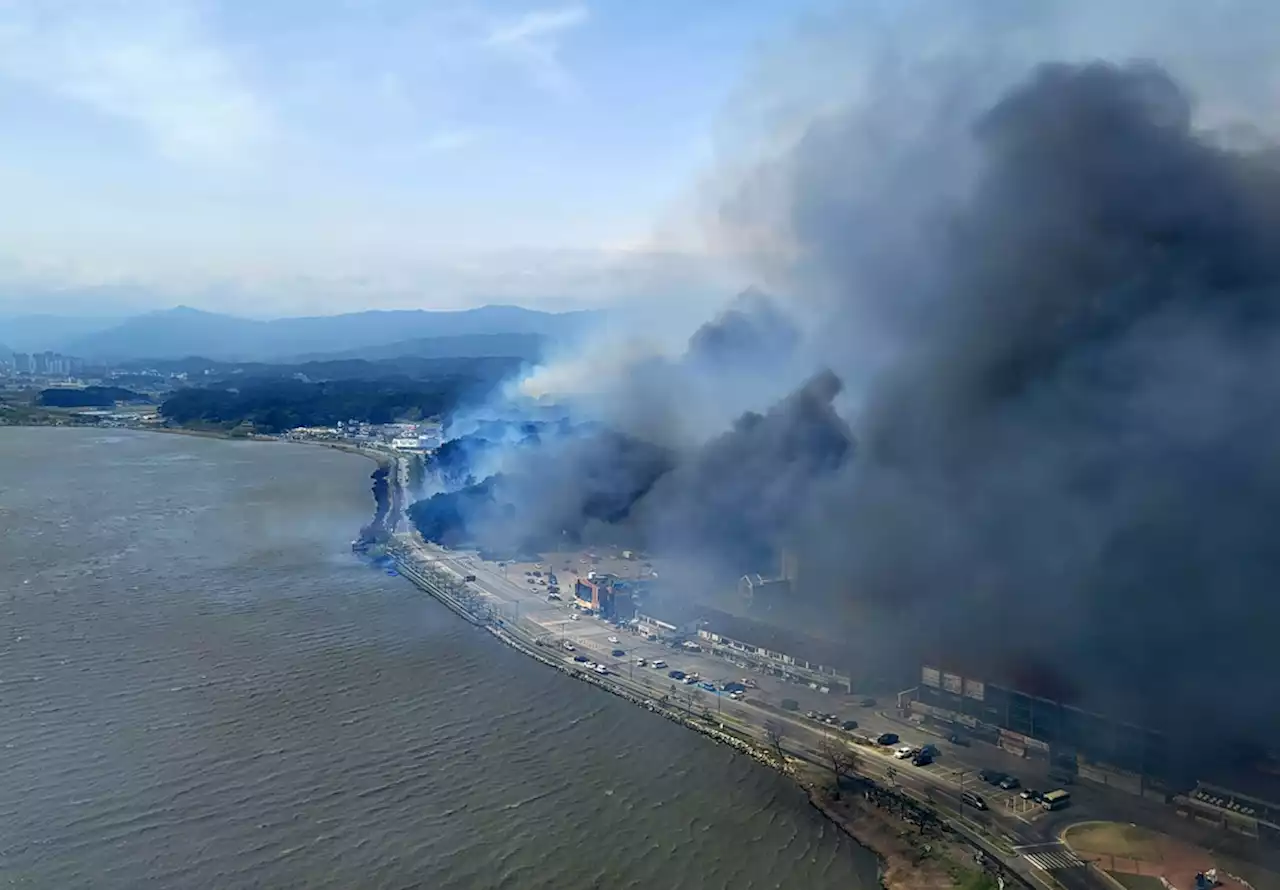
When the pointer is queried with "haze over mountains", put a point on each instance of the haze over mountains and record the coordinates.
(182, 332)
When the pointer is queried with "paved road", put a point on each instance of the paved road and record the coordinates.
(1026, 828)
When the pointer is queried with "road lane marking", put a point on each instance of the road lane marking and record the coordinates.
(1052, 861)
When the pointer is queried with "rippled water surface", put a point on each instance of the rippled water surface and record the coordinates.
(200, 688)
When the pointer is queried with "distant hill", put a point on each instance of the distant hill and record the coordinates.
(181, 332)
(37, 333)
(523, 346)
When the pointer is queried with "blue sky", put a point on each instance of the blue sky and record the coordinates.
(327, 154)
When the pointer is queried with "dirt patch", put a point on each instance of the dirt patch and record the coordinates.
(912, 856)
(1127, 850)
(1115, 839)
(1137, 882)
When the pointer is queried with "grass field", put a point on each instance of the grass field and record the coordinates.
(1115, 839)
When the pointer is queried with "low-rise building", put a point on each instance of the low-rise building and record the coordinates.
(756, 645)
(606, 595)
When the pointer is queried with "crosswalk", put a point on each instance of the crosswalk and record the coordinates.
(1048, 857)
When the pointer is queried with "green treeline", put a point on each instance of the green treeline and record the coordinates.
(275, 405)
(87, 397)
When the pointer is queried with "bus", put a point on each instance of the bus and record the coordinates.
(1055, 800)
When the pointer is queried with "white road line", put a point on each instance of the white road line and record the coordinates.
(1049, 861)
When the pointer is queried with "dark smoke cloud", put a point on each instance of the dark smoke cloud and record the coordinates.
(727, 500)
(1049, 286)
(1071, 462)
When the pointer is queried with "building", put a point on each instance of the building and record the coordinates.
(22, 363)
(751, 644)
(606, 595)
(405, 443)
(758, 588)
(1042, 722)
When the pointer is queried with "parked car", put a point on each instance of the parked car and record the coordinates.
(674, 675)
(991, 776)
(956, 739)
(849, 725)
(887, 739)
(868, 702)
(581, 659)
(618, 653)
(1009, 783)
(930, 749)
(905, 752)
(924, 758)
(1031, 794)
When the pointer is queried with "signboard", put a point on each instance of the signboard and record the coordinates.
(930, 677)
(974, 689)
(952, 683)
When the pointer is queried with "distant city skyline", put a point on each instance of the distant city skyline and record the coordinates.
(294, 157)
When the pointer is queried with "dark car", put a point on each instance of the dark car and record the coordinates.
(734, 687)
(581, 659)
(1008, 783)
(991, 776)
(924, 758)
(930, 749)
(888, 738)
(849, 725)
(676, 675)
(956, 739)
(618, 653)
(868, 702)
(469, 578)
(973, 800)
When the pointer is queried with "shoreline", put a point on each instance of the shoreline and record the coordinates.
(876, 829)
(890, 829)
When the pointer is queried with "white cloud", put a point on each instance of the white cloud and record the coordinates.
(151, 63)
(533, 40)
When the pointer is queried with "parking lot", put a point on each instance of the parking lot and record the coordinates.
(523, 596)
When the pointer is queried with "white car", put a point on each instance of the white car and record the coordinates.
(573, 617)
(613, 639)
(905, 752)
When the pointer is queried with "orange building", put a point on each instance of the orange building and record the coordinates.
(605, 595)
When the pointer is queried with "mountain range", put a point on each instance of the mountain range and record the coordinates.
(181, 332)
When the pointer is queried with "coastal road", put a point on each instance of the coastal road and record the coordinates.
(1026, 831)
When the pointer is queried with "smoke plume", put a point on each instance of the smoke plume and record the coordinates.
(1063, 315)
(1038, 246)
